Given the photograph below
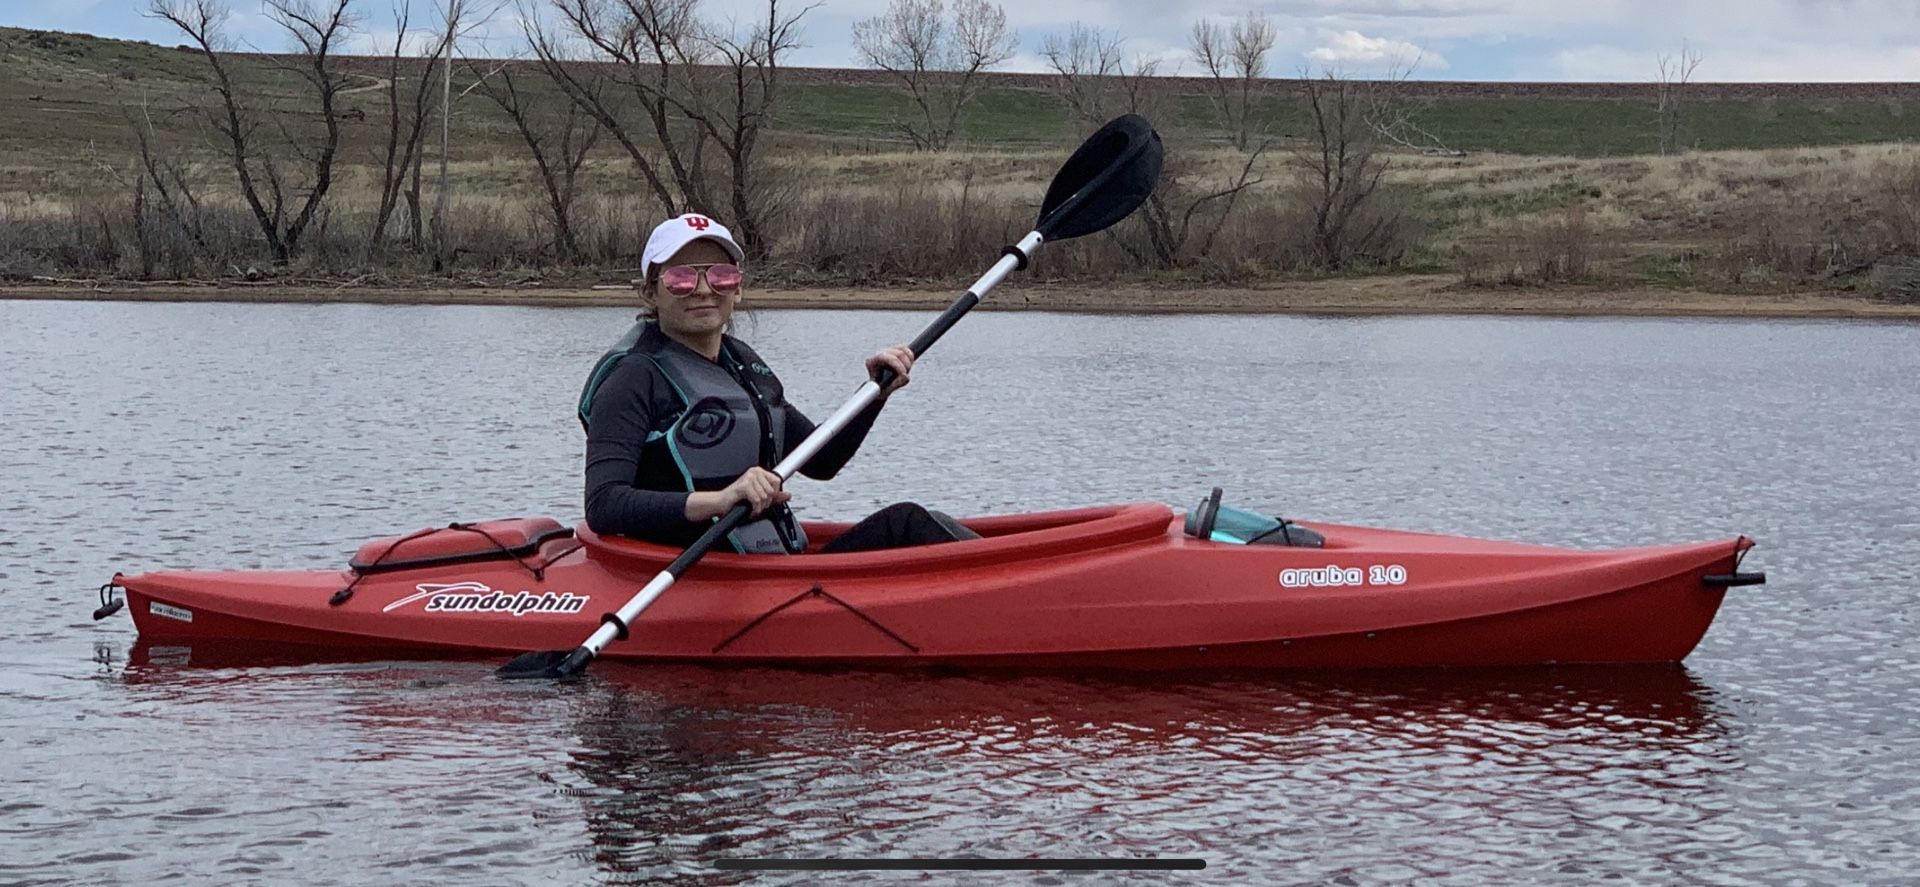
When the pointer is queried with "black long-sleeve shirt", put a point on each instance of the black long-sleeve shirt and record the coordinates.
(628, 498)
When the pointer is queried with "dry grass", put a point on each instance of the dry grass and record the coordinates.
(1771, 218)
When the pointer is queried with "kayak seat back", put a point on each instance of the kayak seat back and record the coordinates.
(513, 538)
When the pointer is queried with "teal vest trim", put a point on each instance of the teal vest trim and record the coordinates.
(724, 428)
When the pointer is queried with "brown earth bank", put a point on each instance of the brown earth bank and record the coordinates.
(1407, 294)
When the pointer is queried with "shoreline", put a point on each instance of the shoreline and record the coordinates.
(1359, 296)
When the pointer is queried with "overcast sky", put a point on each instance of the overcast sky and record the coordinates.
(1613, 40)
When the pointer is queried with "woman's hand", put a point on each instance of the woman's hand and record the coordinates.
(899, 359)
(759, 488)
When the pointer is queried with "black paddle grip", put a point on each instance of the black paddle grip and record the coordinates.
(714, 534)
(944, 322)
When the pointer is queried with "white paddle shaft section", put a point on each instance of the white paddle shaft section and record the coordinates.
(862, 398)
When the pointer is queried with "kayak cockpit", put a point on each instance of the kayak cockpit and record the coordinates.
(1003, 538)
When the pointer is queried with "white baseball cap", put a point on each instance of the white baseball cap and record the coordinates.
(669, 236)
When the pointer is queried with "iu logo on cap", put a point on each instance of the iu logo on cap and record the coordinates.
(699, 223)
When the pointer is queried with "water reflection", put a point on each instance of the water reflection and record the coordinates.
(687, 765)
(665, 769)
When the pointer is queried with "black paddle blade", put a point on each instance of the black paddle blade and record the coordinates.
(549, 664)
(1107, 178)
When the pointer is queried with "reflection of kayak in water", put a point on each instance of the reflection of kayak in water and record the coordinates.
(1152, 708)
(1126, 587)
(745, 702)
(685, 765)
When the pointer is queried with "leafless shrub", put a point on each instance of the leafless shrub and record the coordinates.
(1894, 195)
(1862, 225)
(1537, 251)
(1341, 166)
(1382, 231)
(1184, 215)
(931, 233)
(1564, 249)
(118, 237)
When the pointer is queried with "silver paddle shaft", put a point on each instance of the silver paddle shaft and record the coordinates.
(862, 398)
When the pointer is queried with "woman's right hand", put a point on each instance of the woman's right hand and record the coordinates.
(759, 488)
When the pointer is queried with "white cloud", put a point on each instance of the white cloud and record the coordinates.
(1387, 8)
(1352, 50)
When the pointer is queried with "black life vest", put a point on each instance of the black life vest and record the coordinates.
(732, 416)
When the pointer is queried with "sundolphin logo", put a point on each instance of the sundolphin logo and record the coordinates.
(473, 597)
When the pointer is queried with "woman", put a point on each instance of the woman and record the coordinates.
(684, 421)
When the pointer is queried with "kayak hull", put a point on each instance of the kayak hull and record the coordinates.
(1120, 587)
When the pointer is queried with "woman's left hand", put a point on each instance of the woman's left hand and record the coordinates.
(899, 359)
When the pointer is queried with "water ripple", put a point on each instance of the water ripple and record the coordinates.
(282, 436)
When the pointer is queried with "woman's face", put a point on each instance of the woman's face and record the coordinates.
(702, 313)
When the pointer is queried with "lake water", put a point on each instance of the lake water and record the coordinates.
(147, 436)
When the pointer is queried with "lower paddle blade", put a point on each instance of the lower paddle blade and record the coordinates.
(546, 664)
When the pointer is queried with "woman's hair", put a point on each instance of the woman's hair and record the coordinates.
(647, 311)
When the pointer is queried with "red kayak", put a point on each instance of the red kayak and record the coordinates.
(1128, 587)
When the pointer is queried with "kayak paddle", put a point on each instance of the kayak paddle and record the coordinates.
(1108, 177)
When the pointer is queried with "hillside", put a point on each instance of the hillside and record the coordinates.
(1783, 185)
(67, 98)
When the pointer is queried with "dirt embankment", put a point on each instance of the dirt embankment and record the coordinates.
(1407, 294)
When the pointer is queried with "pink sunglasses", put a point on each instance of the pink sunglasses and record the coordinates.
(683, 280)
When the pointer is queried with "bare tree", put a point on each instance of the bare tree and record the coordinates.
(654, 46)
(173, 208)
(703, 90)
(937, 57)
(170, 179)
(1396, 118)
(558, 165)
(1670, 86)
(1181, 218)
(406, 128)
(263, 184)
(458, 18)
(1342, 168)
(1094, 79)
(1235, 61)
(737, 111)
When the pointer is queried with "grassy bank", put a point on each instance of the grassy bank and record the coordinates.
(1790, 188)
